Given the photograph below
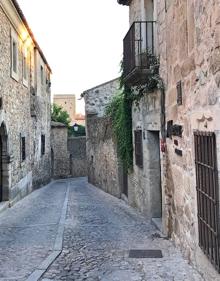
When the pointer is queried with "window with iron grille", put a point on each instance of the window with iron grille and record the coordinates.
(42, 144)
(138, 148)
(14, 55)
(207, 195)
(23, 149)
(179, 93)
(42, 75)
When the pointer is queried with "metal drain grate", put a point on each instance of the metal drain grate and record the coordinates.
(143, 254)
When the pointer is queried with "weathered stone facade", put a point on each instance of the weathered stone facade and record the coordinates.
(144, 183)
(98, 97)
(68, 154)
(78, 161)
(102, 158)
(192, 40)
(187, 42)
(60, 156)
(25, 107)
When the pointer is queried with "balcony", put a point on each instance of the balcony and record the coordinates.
(139, 53)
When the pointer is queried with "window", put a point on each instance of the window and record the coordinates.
(48, 83)
(25, 69)
(179, 93)
(42, 74)
(138, 148)
(23, 149)
(42, 144)
(14, 55)
(207, 187)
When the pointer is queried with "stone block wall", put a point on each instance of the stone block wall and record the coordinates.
(144, 181)
(189, 32)
(78, 161)
(68, 157)
(102, 158)
(16, 119)
(60, 156)
(189, 49)
(98, 97)
(103, 164)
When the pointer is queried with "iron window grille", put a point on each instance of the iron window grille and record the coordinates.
(42, 144)
(138, 148)
(42, 75)
(23, 149)
(207, 195)
(179, 90)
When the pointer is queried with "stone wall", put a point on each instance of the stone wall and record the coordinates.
(68, 153)
(98, 97)
(78, 160)
(189, 49)
(102, 158)
(60, 157)
(16, 118)
(191, 36)
(103, 164)
(144, 183)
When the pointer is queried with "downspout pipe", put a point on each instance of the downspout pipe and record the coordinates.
(163, 114)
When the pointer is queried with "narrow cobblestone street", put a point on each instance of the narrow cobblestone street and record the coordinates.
(98, 231)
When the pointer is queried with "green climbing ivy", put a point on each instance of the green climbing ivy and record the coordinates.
(120, 111)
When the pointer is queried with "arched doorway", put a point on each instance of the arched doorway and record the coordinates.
(4, 164)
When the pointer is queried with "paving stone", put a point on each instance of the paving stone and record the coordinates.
(99, 232)
(28, 231)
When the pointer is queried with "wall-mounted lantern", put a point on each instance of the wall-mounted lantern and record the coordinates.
(75, 127)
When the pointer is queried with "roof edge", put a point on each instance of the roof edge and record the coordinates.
(100, 85)
(23, 18)
(58, 125)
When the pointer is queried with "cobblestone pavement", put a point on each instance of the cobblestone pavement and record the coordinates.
(99, 232)
(28, 231)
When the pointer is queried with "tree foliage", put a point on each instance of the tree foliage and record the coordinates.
(120, 110)
(58, 114)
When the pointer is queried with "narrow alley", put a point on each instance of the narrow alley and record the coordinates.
(70, 230)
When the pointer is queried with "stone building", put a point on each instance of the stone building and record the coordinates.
(180, 181)
(103, 164)
(24, 107)
(60, 156)
(68, 154)
(78, 160)
(68, 103)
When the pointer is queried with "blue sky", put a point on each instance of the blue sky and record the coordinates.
(81, 39)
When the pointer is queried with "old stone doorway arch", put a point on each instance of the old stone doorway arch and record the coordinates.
(4, 164)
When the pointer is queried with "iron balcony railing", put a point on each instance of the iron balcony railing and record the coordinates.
(139, 46)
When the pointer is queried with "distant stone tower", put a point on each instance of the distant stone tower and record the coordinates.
(68, 102)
